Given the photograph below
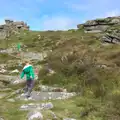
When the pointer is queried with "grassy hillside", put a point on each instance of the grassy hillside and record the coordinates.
(82, 64)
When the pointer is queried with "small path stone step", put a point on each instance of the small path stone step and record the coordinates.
(47, 95)
(33, 106)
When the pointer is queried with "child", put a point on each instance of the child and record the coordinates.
(29, 72)
(19, 47)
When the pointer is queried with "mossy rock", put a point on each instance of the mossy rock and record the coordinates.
(106, 20)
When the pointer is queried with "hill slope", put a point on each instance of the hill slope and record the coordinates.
(81, 64)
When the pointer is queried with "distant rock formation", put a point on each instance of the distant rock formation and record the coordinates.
(99, 25)
(12, 27)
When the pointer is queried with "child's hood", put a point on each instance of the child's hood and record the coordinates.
(26, 66)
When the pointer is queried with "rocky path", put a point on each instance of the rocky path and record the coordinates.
(37, 96)
(38, 103)
(35, 110)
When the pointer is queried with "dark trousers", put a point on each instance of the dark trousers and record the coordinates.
(29, 87)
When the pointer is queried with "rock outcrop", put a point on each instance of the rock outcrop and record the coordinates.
(112, 35)
(99, 25)
(11, 26)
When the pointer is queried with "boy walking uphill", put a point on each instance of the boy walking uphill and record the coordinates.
(18, 48)
(29, 72)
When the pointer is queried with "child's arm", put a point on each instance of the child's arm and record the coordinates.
(22, 74)
(32, 73)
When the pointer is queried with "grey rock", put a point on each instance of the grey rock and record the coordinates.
(115, 21)
(35, 56)
(35, 115)
(99, 25)
(110, 38)
(32, 106)
(14, 71)
(3, 51)
(11, 100)
(17, 81)
(48, 105)
(53, 114)
(69, 119)
(3, 71)
(1, 118)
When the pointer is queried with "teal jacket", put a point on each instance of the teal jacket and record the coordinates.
(28, 71)
(18, 46)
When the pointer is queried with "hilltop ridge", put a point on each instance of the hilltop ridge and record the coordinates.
(99, 25)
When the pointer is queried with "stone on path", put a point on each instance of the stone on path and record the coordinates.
(69, 119)
(33, 115)
(11, 100)
(32, 106)
(53, 114)
(14, 71)
(35, 56)
(3, 71)
(1, 118)
(18, 80)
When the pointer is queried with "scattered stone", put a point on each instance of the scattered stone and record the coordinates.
(39, 36)
(69, 119)
(11, 100)
(48, 105)
(18, 91)
(18, 81)
(53, 114)
(51, 72)
(102, 66)
(14, 71)
(36, 77)
(3, 51)
(41, 106)
(3, 71)
(1, 118)
(33, 115)
(35, 56)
